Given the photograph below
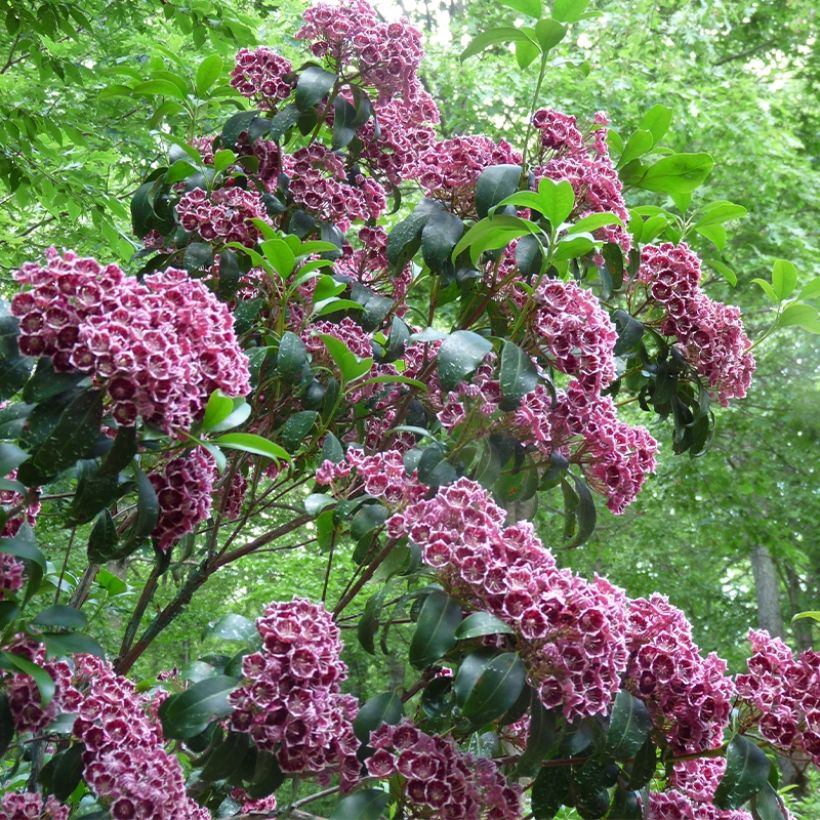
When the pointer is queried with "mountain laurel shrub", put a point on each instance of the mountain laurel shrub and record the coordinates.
(387, 346)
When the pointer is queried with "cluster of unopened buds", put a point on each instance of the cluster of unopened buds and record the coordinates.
(441, 780)
(290, 702)
(158, 347)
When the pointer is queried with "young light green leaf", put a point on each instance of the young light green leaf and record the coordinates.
(549, 33)
(799, 314)
(531, 8)
(569, 11)
(494, 37)
(251, 443)
(556, 200)
(656, 121)
(784, 278)
(678, 173)
(207, 73)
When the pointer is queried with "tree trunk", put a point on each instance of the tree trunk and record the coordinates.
(767, 591)
(801, 629)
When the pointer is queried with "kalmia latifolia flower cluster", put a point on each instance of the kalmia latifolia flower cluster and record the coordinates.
(450, 169)
(783, 692)
(31, 806)
(566, 154)
(226, 215)
(689, 697)
(351, 35)
(570, 632)
(184, 489)
(290, 702)
(442, 781)
(692, 785)
(710, 333)
(125, 762)
(262, 75)
(159, 347)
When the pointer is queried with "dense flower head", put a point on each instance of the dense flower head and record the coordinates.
(442, 781)
(689, 697)
(450, 169)
(784, 693)
(235, 495)
(290, 702)
(570, 632)
(25, 704)
(124, 759)
(224, 215)
(675, 805)
(566, 154)
(263, 76)
(616, 456)
(711, 333)
(321, 184)
(158, 347)
(247, 805)
(576, 331)
(405, 130)
(31, 806)
(381, 475)
(11, 498)
(11, 575)
(184, 493)
(351, 35)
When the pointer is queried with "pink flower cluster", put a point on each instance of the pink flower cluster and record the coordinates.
(31, 806)
(247, 805)
(158, 347)
(184, 493)
(11, 498)
(351, 35)
(576, 331)
(125, 762)
(440, 778)
(784, 692)
(320, 183)
(616, 456)
(565, 154)
(689, 697)
(11, 575)
(347, 331)
(405, 131)
(381, 475)
(710, 333)
(571, 633)
(290, 701)
(235, 495)
(262, 75)
(449, 169)
(24, 697)
(225, 215)
(692, 785)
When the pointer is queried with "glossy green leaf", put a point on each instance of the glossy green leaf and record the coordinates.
(313, 84)
(494, 184)
(768, 805)
(23, 545)
(550, 791)
(678, 173)
(556, 200)
(629, 726)
(784, 278)
(717, 212)
(657, 121)
(549, 33)
(64, 644)
(494, 37)
(66, 617)
(459, 355)
(532, 8)
(45, 683)
(747, 771)
(517, 373)
(218, 408)
(541, 738)
(640, 143)
(439, 236)
(569, 11)
(188, 713)
(487, 685)
(799, 314)
(481, 623)
(11, 456)
(231, 627)
(207, 73)
(384, 708)
(252, 443)
(297, 430)
(435, 633)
